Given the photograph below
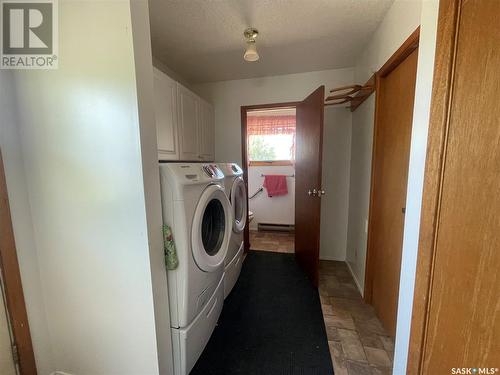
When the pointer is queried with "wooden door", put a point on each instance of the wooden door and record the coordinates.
(459, 255)
(7, 363)
(309, 145)
(165, 91)
(20, 350)
(188, 124)
(396, 93)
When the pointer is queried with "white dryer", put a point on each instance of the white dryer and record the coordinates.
(195, 206)
(236, 193)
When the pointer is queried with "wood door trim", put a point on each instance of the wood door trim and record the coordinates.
(262, 107)
(244, 166)
(244, 153)
(367, 295)
(439, 122)
(12, 281)
(408, 46)
(271, 163)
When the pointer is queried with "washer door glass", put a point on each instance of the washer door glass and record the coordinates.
(213, 227)
(239, 203)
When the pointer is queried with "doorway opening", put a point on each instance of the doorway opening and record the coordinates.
(270, 143)
(306, 158)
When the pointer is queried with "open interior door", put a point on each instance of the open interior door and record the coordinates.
(308, 191)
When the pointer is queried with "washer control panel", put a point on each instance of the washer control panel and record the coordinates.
(236, 169)
(212, 171)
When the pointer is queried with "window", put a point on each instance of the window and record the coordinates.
(271, 137)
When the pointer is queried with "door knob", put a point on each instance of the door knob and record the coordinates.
(312, 192)
(321, 192)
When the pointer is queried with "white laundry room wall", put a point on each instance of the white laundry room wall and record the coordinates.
(335, 181)
(79, 185)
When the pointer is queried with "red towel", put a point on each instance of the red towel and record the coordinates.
(275, 185)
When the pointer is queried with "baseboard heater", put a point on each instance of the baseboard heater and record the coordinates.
(276, 227)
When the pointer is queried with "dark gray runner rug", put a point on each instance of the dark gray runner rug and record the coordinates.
(271, 323)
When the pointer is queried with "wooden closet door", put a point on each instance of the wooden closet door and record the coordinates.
(396, 93)
(463, 316)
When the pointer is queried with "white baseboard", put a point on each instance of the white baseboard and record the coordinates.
(356, 281)
(323, 257)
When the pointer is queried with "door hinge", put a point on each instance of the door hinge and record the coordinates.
(15, 354)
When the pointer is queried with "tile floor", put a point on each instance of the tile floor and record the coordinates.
(358, 343)
(278, 242)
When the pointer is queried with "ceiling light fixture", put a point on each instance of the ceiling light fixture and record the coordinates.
(251, 51)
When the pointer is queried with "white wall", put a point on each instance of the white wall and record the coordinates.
(23, 227)
(400, 21)
(336, 169)
(275, 210)
(144, 82)
(418, 149)
(72, 153)
(359, 189)
(228, 96)
(402, 18)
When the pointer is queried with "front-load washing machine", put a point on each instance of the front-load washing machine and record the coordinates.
(197, 209)
(236, 193)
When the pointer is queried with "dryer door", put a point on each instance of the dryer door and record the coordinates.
(239, 202)
(211, 228)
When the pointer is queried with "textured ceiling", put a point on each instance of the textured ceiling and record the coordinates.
(202, 40)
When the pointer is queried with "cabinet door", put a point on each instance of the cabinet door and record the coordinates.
(165, 97)
(188, 124)
(206, 130)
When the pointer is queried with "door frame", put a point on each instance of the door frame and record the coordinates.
(244, 153)
(409, 45)
(9, 266)
(439, 122)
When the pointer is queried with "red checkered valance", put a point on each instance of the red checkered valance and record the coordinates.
(270, 125)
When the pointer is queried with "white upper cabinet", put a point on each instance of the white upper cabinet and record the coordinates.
(188, 124)
(165, 97)
(185, 123)
(206, 126)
